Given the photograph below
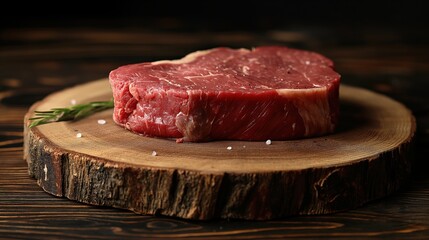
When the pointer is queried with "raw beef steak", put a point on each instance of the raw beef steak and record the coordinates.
(268, 92)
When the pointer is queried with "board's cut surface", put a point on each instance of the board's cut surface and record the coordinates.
(268, 92)
(367, 158)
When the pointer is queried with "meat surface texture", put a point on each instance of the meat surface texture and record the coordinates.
(268, 92)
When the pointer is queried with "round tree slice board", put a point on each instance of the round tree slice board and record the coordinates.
(368, 157)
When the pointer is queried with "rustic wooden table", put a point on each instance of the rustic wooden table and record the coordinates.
(38, 60)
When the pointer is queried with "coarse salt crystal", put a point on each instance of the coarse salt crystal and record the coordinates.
(78, 135)
(73, 102)
(268, 142)
(101, 121)
(154, 153)
(229, 147)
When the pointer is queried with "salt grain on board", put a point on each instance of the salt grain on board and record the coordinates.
(78, 135)
(154, 153)
(268, 142)
(229, 148)
(101, 121)
(73, 102)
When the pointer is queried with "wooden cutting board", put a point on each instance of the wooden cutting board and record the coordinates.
(368, 157)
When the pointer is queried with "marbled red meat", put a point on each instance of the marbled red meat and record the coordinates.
(268, 92)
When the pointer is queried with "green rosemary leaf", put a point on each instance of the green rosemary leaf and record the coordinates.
(84, 112)
(75, 112)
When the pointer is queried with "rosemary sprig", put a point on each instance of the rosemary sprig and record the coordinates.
(74, 112)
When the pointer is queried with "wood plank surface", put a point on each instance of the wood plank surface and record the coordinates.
(47, 57)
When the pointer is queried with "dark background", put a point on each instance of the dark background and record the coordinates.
(217, 15)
